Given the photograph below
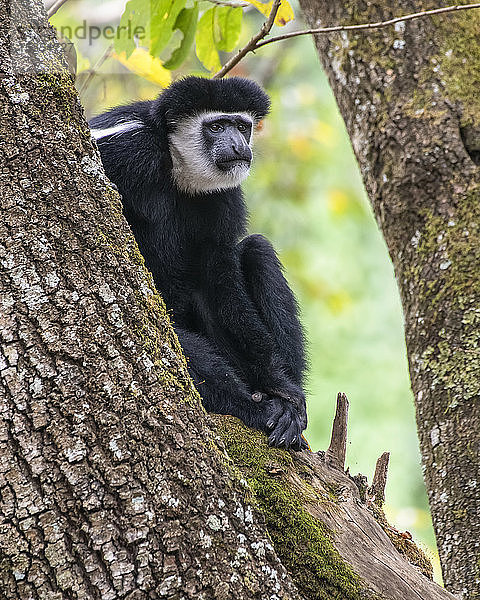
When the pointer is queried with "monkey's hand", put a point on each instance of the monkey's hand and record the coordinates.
(284, 420)
(293, 394)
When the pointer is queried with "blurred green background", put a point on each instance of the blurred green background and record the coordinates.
(306, 195)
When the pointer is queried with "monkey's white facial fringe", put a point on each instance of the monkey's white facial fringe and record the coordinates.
(98, 134)
(193, 169)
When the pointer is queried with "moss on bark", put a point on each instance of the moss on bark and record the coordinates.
(302, 542)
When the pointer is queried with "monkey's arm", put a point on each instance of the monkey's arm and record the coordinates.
(274, 302)
(224, 392)
(239, 326)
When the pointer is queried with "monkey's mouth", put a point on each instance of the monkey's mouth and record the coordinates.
(232, 163)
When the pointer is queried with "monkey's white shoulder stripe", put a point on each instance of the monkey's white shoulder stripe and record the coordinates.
(116, 129)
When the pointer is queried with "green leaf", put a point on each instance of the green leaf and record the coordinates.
(227, 27)
(135, 22)
(205, 43)
(187, 23)
(164, 17)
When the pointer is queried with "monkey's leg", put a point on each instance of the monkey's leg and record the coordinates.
(274, 301)
(223, 392)
(220, 387)
(277, 307)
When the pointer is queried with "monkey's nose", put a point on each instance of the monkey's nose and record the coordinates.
(236, 147)
(242, 151)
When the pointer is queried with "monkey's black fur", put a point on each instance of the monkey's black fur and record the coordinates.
(233, 311)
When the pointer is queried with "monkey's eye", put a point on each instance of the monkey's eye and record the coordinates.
(215, 127)
(242, 127)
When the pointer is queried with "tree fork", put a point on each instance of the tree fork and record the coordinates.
(313, 509)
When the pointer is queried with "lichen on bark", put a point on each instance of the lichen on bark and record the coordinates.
(409, 98)
(454, 244)
(462, 77)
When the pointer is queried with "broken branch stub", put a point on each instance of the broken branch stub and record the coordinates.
(335, 455)
(377, 489)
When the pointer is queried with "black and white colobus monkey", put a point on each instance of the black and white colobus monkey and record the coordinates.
(178, 162)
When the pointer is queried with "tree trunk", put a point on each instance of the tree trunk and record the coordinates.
(112, 485)
(409, 98)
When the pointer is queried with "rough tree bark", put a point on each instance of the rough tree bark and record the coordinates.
(112, 485)
(409, 98)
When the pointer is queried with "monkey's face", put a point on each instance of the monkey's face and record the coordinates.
(211, 151)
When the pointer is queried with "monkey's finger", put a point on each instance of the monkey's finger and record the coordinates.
(274, 412)
(292, 435)
(277, 437)
(281, 431)
(296, 444)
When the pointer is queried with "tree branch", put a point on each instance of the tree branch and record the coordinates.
(318, 523)
(378, 25)
(258, 40)
(55, 6)
(252, 44)
(335, 455)
(231, 4)
(94, 70)
(377, 489)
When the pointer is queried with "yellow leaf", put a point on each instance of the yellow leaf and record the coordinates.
(325, 133)
(142, 63)
(284, 15)
(300, 145)
(337, 201)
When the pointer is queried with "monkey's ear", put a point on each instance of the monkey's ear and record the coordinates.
(259, 126)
